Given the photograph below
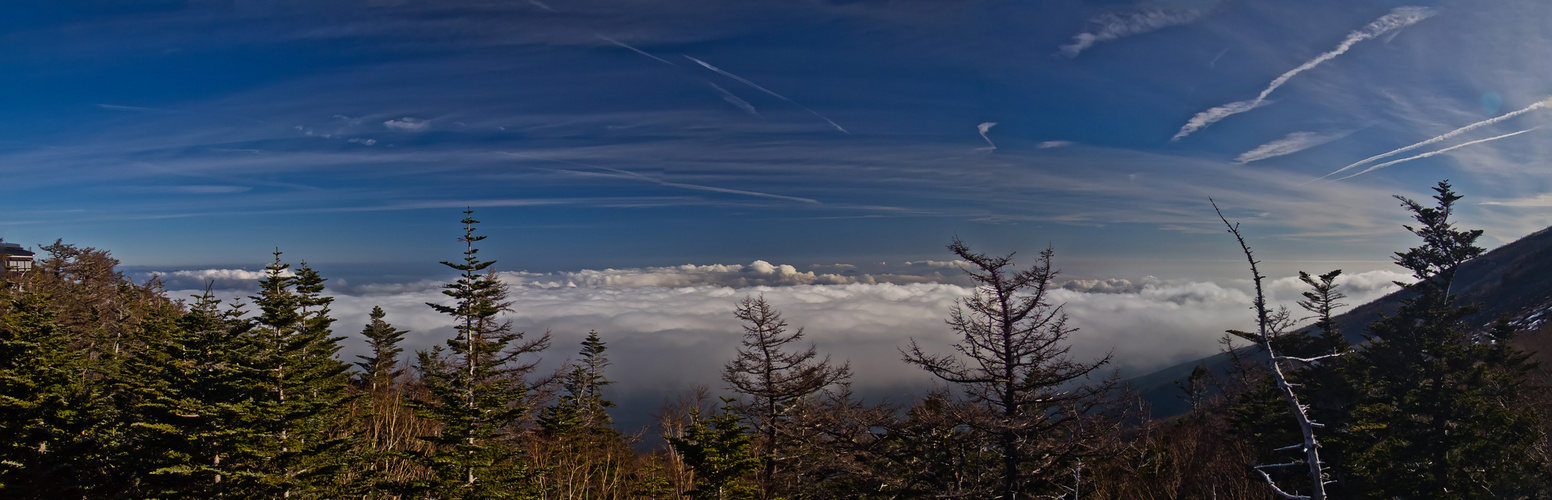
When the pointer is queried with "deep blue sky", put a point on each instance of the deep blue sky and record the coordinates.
(205, 133)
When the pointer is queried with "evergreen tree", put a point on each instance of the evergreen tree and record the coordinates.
(381, 369)
(194, 432)
(1439, 413)
(583, 453)
(303, 389)
(386, 420)
(582, 405)
(47, 413)
(717, 449)
(475, 389)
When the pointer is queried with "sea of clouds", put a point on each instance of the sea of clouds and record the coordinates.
(670, 328)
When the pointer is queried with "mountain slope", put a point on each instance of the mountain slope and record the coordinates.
(1514, 280)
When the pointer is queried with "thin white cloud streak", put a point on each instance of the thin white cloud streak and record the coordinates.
(636, 50)
(1432, 153)
(768, 91)
(1543, 200)
(1053, 144)
(117, 107)
(1289, 144)
(1107, 27)
(985, 127)
(626, 174)
(406, 124)
(1447, 136)
(537, 3)
(1398, 18)
(734, 100)
(1213, 64)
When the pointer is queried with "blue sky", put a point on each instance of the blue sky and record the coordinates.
(647, 164)
(590, 134)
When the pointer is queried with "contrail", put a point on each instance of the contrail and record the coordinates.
(765, 90)
(636, 50)
(985, 127)
(1447, 135)
(734, 100)
(1431, 153)
(626, 174)
(1398, 18)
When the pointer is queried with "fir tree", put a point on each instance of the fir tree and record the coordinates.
(194, 433)
(303, 388)
(46, 411)
(475, 389)
(381, 368)
(718, 450)
(1438, 416)
(386, 419)
(582, 405)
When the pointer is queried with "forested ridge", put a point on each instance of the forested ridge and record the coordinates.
(112, 389)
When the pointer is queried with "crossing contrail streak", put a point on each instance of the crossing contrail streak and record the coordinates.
(1431, 153)
(1447, 135)
(766, 90)
(636, 50)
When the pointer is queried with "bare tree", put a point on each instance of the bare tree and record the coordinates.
(1268, 326)
(773, 376)
(1013, 360)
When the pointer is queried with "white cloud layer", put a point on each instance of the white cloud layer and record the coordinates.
(670, 328)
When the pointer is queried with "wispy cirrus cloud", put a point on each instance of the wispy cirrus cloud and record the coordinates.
(1398, 18)
(1289, 144)
(1112, 26)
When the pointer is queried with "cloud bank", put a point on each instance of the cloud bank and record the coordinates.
(673, 327)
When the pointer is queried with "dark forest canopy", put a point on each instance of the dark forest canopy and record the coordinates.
(111, 389)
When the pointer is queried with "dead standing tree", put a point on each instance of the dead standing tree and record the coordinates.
(1013, 358)
(774, 376)
(1266, 324)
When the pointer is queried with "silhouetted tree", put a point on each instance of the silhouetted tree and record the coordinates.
(1013, 361)
(773, 374)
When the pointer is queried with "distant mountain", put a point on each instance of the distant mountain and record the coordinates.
(1513, 280)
